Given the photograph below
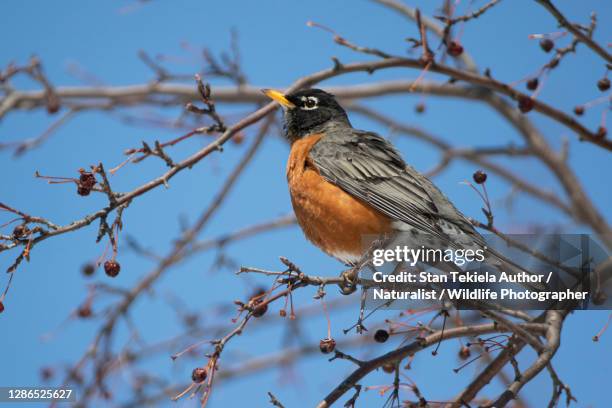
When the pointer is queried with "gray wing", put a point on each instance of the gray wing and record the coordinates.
(368, 167)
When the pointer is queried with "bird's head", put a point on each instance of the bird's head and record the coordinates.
(309, 111)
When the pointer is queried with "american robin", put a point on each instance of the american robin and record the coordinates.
(347, 184)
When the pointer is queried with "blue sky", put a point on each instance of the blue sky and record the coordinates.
(277, 47)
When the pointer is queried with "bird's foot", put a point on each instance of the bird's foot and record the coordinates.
(349, 284)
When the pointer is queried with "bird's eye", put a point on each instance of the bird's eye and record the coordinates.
(310, 102)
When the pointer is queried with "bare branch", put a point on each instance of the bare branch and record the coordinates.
(414, 347)
(575, 30)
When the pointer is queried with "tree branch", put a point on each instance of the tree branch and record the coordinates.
(563, 22)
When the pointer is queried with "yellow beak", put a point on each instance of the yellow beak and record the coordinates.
(278, 97)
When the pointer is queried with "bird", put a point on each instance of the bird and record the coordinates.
(346, 184)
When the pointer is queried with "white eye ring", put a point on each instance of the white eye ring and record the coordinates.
(310, 102)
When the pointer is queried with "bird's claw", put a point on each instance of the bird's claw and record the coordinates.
(349, 284)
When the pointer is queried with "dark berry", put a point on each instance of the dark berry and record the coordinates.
(455, 49)
(191, 319)
(479, 176)
(327, 345)
(532, 84)
(547, 44)
(255, 300)
(198, 375)
(381, 335)
(525, 104)
(87, 179)
(464, 353)
(83, 191)
(76, 376)
(112, 268)
(84, 312)
(389, 368)
(579, 110)
(282, 313)
(259, 311)
(52, 108)
(20, 231)
(1, 307)
(46, 373)
(53, 103)
(419, 108)
(602, 132)
(238, 138)
(88, 269)
(603, 84)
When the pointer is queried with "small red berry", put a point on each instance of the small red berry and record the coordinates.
(238, 138)
(53, 103)
(198, 375)
(83, 191)
(112, 268)
(602, 132)
(327, 345)
(88, 269)
(381, 336)
(84, 312)
(52, 107)
(464, 353)
(532, 84)
(20, 231)
(389, 368)
(259, 311)
(46, 373)
(547, 44)
(87, 179)
(191, 319)
(455, 49)
(86, 182)
(525, 104)
(579, 110)
(479, 176)
(603, 84)
(1, 307)
(255, 300)
(282, 313)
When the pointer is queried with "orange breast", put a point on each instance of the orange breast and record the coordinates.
(332, 219)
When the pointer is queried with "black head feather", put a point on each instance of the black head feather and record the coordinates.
(314, 111)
